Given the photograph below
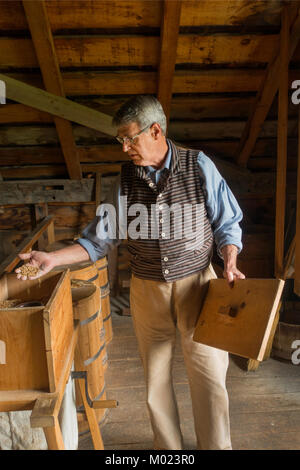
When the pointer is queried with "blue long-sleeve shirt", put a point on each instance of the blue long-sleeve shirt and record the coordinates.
(222, 208)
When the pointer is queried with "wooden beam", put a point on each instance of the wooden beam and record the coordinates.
(169, 39)
(40, 213)
(41, 34)
(140, 50)
(68, 14)
(45, 191)
(52, 171)
(56, 105)
(282, 143)
(266, 93)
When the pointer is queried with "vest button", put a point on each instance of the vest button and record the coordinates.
(166, 271)
(163, 234)
(151, 185)
(160, 208)
(160, 195)
(166, 258)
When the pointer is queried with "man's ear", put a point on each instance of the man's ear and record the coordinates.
(156, 130)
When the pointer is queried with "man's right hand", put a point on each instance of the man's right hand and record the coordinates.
(42, 260)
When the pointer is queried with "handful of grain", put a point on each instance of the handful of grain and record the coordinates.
(29, 270)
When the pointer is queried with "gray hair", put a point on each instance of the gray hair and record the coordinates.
(142, 109)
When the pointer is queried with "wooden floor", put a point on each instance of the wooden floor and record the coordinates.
(264, 405)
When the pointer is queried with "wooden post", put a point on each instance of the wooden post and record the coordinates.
(48, 237)
(98, 188)
(282, 143)
(54, 437)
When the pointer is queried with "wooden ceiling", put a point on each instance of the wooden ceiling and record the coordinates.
(210, 63)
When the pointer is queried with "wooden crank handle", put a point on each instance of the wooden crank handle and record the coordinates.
(98, 404)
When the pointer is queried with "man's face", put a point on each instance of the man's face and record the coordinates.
(141, 150)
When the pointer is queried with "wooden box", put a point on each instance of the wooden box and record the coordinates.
(239, 319)
(34, 340)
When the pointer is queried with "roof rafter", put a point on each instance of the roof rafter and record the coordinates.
(267, 92)
(42, 38)
(169, 39)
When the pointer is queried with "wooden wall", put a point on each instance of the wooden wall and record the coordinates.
(110, 50)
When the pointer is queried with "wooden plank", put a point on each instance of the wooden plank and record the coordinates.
(183, 107)
(46, 409)
(34, 172)
(13, 113)
(18, 400)
(116, 83)
(12, 260)
(119, 50)
(234, 13)
(34, 192)
(56, 105)
(73, 14)
(263, 156)
(180, 131)
(58, 324)
(101, 168)
(229, 319)
(168, 51)
(297, 236)
(120, 83)
(26, 365)
(282, 144)
(266, 94)
(115, 14)
(41, 34)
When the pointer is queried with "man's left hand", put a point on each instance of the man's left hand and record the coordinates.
(231, 273)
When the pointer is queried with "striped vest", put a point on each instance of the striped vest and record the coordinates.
(164, 244)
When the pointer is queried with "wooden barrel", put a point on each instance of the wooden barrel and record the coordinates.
(87, 271)
(285, 341)
(89, 351)
(101, 265)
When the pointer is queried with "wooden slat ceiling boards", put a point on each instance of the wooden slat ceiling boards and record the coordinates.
(104, 51)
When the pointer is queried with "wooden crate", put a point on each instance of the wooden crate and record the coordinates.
(35, 340)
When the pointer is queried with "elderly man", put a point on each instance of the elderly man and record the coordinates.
(170, 267)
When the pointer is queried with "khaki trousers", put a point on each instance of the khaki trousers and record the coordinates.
(157, 308)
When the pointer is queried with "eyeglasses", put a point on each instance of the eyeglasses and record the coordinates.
(130, 140)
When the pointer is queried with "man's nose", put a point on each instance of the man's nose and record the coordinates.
(126, 145)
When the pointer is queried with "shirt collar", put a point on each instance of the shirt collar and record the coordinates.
(172, 162)
(150, 169)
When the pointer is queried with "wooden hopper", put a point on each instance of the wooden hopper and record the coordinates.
(36, 339)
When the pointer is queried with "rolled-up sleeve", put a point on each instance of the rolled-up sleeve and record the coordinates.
(222, 208)
(96, 246)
